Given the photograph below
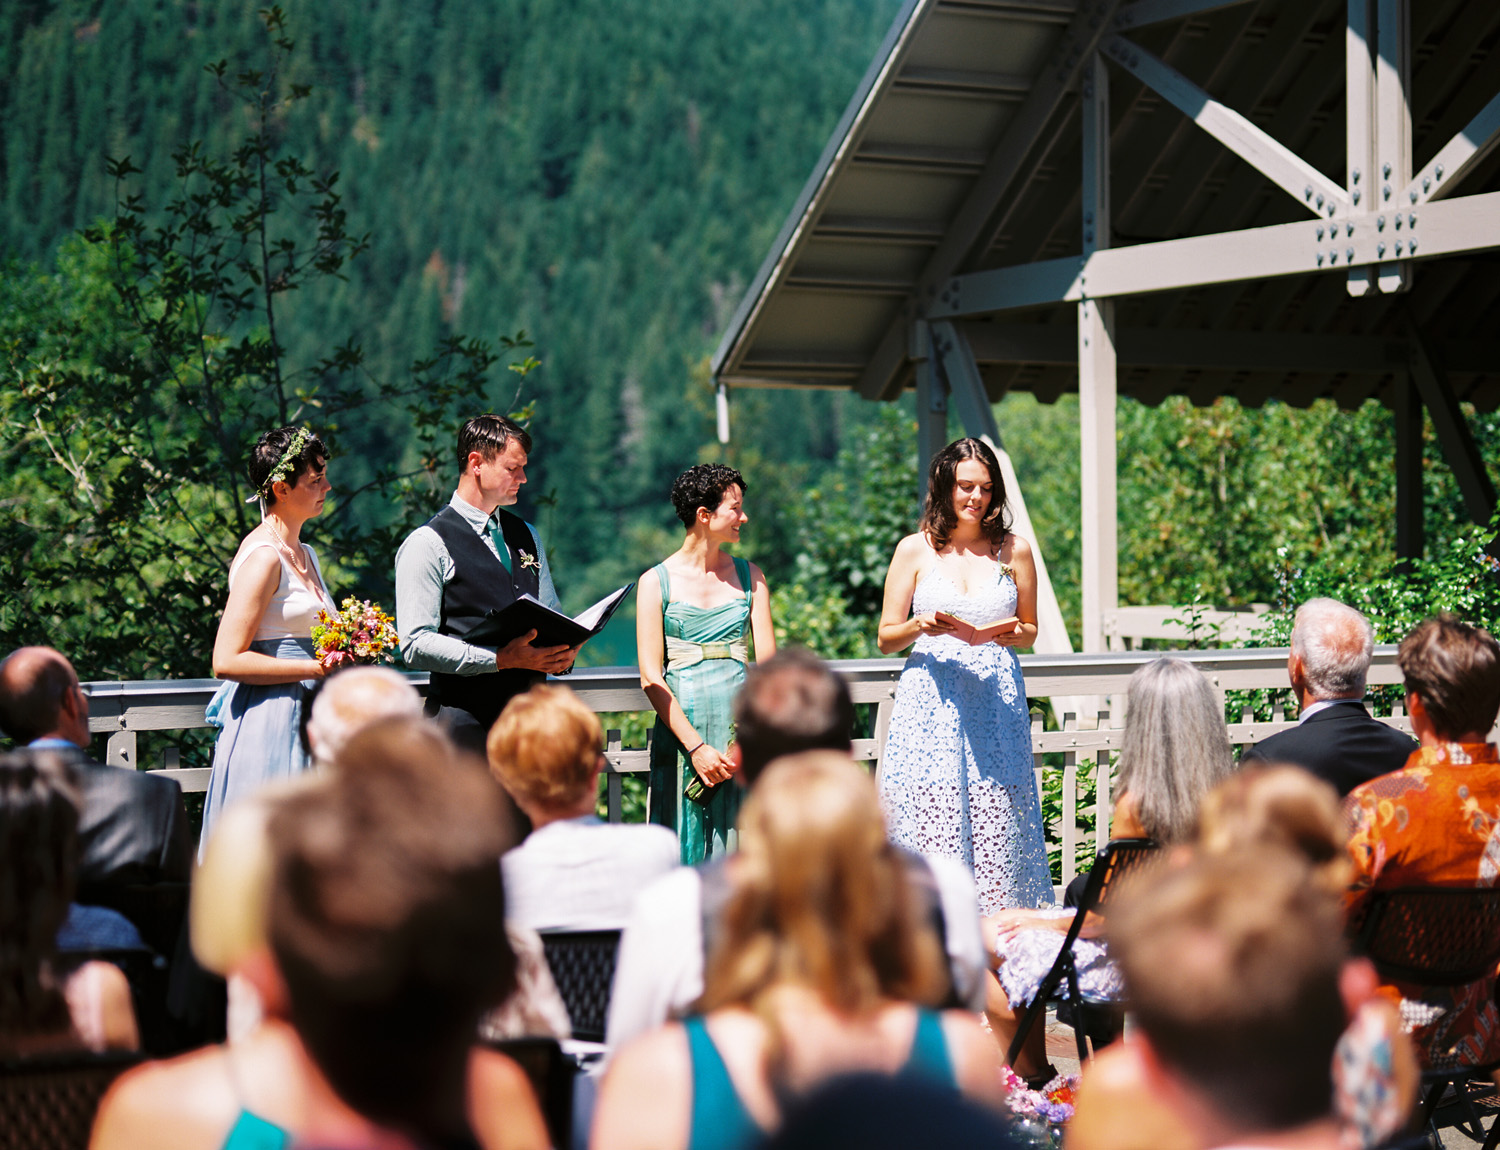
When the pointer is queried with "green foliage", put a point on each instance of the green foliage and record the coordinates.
(124, 513)
(847, 527)
(1052, 816)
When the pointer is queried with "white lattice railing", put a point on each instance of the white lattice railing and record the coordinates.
(124, 709)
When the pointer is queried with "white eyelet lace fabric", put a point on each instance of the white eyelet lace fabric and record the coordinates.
(956, 779)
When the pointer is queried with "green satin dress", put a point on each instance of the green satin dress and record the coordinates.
(706, 692)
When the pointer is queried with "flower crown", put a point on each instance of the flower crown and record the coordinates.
(284, 465)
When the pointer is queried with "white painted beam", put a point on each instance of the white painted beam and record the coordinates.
(1283, 167)
(1359, 125)
(1443, 228)
(1097, 402)
(1458, 157)
(1097, 376)
(1144, 12)
(1393, 121)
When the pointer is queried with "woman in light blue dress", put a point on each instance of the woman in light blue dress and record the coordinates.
(696, 613)
(264, 645)
(956, 776)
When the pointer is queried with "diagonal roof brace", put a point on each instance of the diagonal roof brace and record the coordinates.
(1452, 429)
(1273, 159)
(1457, 158)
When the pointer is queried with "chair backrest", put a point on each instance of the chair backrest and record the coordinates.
(1432, 935)
(551, 1073)
(1119, 860)
(583, 966)
(47, 1102)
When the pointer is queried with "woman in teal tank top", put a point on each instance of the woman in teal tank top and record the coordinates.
(823, 965)
(696, 614)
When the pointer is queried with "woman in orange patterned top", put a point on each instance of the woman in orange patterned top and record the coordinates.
(1436, 822)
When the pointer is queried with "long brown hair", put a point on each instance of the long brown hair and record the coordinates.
(938, 517)
(820, 900)
(38, 868)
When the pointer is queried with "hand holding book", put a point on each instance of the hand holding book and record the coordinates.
(974, 634)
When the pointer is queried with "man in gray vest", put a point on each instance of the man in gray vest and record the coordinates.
(470, 558)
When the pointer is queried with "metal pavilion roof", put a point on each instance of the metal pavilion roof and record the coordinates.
(962, 151)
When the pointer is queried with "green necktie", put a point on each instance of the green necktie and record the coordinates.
(502, 549)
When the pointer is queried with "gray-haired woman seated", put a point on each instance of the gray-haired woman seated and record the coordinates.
(1175, 750)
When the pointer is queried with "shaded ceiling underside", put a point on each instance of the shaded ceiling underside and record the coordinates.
(902, 170)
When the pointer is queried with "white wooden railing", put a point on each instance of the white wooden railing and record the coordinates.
(124, 709)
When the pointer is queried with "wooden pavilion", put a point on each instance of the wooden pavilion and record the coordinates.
(1266, 199)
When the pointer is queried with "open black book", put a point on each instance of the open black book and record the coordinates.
(553, 628)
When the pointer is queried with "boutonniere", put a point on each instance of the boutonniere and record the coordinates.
(1007, 569)
(528, 560)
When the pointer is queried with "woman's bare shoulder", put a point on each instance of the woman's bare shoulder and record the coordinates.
(914, 548)
(1015, 547)
(187, 1101)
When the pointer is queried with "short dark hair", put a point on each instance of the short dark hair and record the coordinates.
(703, 486)
(387, 920)
(792, 702)
(267, 453)
(1232, 966)
(32, 688)
(489, 434)
(1454, 668)
(38, 870)
(938, 517)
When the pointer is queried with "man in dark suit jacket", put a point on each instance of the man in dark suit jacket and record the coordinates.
(1335, 738)
(132, 825)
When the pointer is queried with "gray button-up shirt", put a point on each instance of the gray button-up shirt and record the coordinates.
(423, 569)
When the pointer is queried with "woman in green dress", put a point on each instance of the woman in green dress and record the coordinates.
(696, 614)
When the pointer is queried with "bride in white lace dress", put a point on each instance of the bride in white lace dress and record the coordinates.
(956, 777)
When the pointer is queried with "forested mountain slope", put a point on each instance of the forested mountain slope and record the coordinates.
(605, 174)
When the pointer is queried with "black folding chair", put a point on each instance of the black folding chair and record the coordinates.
(551, 1073)
(583, 966)
(48, 1102)
(1119, 859)
(1437, 936)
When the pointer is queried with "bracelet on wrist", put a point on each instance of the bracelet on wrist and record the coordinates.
(696, 749)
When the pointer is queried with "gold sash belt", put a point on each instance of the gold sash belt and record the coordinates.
(682, 654)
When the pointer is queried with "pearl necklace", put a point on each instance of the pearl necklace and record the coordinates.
(299, 563)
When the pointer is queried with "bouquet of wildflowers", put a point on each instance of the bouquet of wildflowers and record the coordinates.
(359, 633)
(1040, 1113)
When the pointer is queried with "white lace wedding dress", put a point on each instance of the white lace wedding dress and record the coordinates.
(956, 778)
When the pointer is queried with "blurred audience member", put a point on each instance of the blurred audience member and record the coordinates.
(351, 699)
(790, 703)
(1175, 748)
(363, 904)
(132, 825)
(873, 1112)
(821, 955)
(573, 871)
(42, 1009)
(1259, 810)
(1335, 737)
(1436, 822)
(1240, 987)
